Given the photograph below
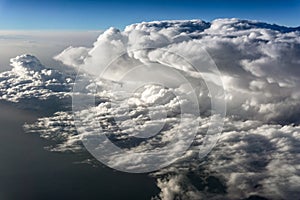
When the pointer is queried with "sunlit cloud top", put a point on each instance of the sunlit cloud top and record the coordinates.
(67, 14)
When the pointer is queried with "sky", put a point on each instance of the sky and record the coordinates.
(257, 153)
(43, 44)
(100, 15)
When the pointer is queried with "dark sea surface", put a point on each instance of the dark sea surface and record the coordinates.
(29, 172)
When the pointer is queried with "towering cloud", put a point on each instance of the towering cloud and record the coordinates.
(258, 61)
(257, 155)
(29, 79)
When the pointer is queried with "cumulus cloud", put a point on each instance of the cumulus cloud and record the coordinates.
(258, 61)
(244, 165)
(73, 56)
(29, 79)
(258, 152)
(251, 158)
(128, 123)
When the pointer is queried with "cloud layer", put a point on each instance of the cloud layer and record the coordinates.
(257, 155)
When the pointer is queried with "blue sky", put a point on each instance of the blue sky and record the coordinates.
(92, 14)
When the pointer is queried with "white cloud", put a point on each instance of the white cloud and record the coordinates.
(73, 56)
(258, 152)
(251, 158)
(29, 79)
(259, 60)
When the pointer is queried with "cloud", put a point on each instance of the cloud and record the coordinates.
(251, 162)
(250, 159)
(73, 56)
(29, 80)
(243, 164)
(154, 110)
(258, 61)
(258, 152)
(43, 44)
